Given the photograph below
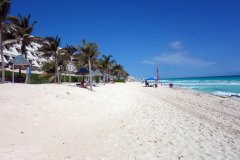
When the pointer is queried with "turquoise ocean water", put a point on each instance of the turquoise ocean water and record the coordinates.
(227, 86)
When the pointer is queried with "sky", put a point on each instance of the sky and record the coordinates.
(182, 38)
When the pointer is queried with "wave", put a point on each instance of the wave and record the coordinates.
(226, 94)
(201, 83)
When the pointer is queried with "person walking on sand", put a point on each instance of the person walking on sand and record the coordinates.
(170, 85)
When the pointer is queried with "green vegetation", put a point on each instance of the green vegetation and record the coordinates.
(19, 29)
(119, 80)
(34, 78)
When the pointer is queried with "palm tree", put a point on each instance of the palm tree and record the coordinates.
(120, 69)
(89, 52)
(23, 31)
(51, 47)
(5, 6)
(78, 61)
(106, 63)
(70, 52)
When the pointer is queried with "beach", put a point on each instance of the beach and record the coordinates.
(116, 121)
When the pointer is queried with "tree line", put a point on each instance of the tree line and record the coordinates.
(18, 30)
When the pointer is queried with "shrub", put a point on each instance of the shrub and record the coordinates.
(35, 80)
(39, 81)
(119, 80)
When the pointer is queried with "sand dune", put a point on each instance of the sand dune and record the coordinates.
(116, 121)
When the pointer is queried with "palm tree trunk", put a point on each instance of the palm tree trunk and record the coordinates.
(58, 75)
(90, 73)
(26, 80)
(70, 77)
(13, 73)
(55, 70)
(104, 77)
(3, 69)
(65, 76)
(61, 77)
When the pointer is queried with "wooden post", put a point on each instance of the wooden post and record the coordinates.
(70, 77)
(13, 73)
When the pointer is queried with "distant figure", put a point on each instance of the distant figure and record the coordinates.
(146, 83)
(88, 83)
(170, 85)
(84, 86)
(156, 84)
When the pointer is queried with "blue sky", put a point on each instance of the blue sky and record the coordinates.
(183, 38)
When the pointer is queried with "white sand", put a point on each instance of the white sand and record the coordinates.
(120, 121)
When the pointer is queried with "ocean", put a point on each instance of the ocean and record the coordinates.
(226, 86)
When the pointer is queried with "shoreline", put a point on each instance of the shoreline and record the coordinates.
(186, 88)
(117, 121)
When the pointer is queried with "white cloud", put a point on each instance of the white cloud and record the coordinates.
(148, 62)
(175, 45)
(181, 58)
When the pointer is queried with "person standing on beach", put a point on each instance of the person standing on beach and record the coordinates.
(156, 84)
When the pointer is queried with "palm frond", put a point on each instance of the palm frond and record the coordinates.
(44, 75)
(5, 6)
(13, 19)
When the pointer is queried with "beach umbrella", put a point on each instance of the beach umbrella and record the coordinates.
(82, 71)
(18, 61)
(150, 79)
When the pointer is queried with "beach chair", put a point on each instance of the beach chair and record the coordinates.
(78, 85)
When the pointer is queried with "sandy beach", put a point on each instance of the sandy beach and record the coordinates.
(116, 121)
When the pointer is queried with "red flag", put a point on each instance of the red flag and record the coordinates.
(157, 74)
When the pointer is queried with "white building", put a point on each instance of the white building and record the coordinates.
(33, 56)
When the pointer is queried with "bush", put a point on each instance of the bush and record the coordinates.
(39, 81)
(119, 80)
(35, 80)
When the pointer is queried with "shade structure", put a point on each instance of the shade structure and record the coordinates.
(82, 71)
(122, 78)
(20, 61)
(150, 79)
(106, 75)
(98, 73)
(92, 73)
